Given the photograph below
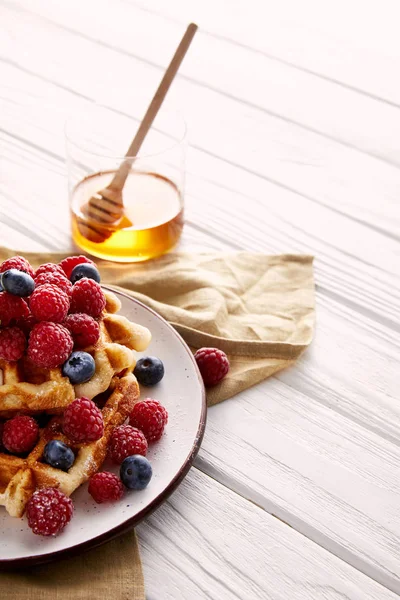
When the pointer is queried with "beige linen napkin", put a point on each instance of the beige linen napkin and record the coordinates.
(110, 571)
(258, 309)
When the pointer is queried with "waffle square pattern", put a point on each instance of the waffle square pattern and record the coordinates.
(45, 393)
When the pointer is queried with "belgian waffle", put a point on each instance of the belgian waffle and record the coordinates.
(25, 388)
(113, 385)
(20, 477)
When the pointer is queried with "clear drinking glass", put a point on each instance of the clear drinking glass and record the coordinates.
(152, 196)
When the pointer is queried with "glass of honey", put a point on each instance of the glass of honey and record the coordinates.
(150, 221)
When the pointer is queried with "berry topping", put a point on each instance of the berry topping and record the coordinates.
(49, 303)
(85, 330)
(150, 417)
(48, 511)
(85, 270)
(20, 434)
(105, 487)
(69, 263)
(12, 343)
(1, 436)
(83, 421)
(17, 262)
(79, 367)
(17, 282)
(1, 283)
(58, 455)
(49, 345)
(136, 472)
(49, 268)
(149, 370)
(27, 324)
(88, 297)
(213, 365)
(126, 441)
(55, 279)
(12, 309)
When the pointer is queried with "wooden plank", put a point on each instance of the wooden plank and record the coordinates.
(354, 459)
(337, 404)
(315, 469)
(327, 172)
(207, 542)
(350, 262)
(329, 41)
(320, 105)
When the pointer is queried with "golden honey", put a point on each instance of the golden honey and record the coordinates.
(154, 210)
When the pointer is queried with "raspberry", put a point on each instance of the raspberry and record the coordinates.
(88, 297)
(105, 487)
(126, 441)
(55, 279)
(12, 343)
(83, 421)
(49, 303)
(12, 309)
(1, 436)
(85, 330)
(17, 262)
(49, 268)
(213, 365)
(69, 263)
(20, 434)
(49, 345)
(151, 417)
(49, 511)
(27, 324)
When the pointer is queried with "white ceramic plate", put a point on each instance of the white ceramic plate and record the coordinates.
(181, 391)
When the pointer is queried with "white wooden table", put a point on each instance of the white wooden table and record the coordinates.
(294, 115)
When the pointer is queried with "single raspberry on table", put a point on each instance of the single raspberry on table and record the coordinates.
(150, 417)
(49, 268)
(126, 441)
(213, 365)
(49, 303)
(105, 487)
(49, 345)
(87, 297)
(70, 262)
(48, 511)
(84, 329)
(20, 434)
(12, 309)
(83, 421)
(56, 279)
(12, 343)
(17, 262)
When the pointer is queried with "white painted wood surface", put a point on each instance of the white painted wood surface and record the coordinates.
(294, 130)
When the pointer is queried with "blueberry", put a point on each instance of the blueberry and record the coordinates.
(80, 367)
(135, 472)
(84, 270)
(149, 370)
(17, 282)
(1, 285)
(58, 455)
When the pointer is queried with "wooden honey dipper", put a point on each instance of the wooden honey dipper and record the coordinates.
(104, 212)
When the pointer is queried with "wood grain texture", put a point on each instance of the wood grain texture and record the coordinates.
(331, 381)
(146, 61)
(282, 159)
(367, 255)
(203, 554)
(319, 39)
